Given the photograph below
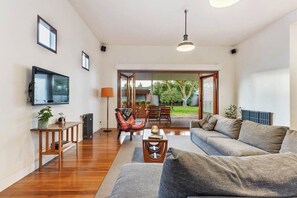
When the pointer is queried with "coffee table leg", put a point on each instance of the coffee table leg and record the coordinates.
(147, 154)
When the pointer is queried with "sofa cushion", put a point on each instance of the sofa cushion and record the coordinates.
(290, 142)
(203, 120)
(188, 174)
(227, 126)
(268, 138)
(203, 135)
(231, 147)
(210, 124)
(138, 180)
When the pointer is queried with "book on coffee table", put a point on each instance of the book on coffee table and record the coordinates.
(154, 136)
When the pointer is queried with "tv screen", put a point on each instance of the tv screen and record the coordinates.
(48, 87)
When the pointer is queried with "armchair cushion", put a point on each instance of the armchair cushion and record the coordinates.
(126, 113)
(138, 126)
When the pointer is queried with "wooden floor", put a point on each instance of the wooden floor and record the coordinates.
(81, 176)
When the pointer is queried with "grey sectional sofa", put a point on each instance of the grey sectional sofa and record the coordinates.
(234, 137)
(253, 168)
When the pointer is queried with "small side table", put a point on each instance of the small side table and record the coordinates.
(154, 150)
(65, 135)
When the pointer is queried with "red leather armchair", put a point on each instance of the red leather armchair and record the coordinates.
(126, 121)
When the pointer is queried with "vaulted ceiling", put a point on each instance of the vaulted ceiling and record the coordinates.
(161, 22)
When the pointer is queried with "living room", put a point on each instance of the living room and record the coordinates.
(260, 76)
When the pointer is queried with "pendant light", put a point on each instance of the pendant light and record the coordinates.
(185, 45)
(222, 3)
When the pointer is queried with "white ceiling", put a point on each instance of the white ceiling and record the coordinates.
(161, 22)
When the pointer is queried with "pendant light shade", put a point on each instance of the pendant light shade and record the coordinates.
(185, 45)
(222, 3)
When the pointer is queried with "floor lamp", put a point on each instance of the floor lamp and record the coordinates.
(107, 92)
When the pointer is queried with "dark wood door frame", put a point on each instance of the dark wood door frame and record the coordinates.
(212, 73)
(215, 76)
(130, 96)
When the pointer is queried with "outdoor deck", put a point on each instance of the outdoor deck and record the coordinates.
(180, 122)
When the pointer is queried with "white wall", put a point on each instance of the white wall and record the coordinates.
(19, 52)
(167, 58)
(262, 75)
(293, 75)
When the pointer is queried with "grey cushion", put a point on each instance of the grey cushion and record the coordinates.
(290, 142)
(203, 120)
(268, 138)
(231, 147)
(138, 180)
(209, 124)
(188, 174)
(194, 124)
(202, 134)
(227, 126)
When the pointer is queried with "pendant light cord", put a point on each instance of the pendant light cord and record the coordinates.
(186, 22)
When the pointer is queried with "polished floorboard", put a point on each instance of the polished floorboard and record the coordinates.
(80, 176)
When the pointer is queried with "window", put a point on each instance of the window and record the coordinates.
(46, 35)
(85, 61)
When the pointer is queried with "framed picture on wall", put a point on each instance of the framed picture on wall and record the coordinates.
(85, 61)
(46, 35)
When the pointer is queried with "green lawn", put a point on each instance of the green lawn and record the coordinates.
(180, 111)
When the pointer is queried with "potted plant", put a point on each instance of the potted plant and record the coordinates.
(43, 117)
(231, 112)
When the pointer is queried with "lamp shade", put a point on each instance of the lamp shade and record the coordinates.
(106, 92)
(185, 46)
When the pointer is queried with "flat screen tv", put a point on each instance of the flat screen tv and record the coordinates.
(48, 87)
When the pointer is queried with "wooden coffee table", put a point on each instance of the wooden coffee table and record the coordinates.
(154, 150)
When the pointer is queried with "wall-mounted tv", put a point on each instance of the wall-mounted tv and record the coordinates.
(48, 87)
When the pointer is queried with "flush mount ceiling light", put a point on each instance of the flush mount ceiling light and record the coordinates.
(222, 3)
(185, 45)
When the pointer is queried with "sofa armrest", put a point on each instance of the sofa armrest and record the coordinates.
(194, 124)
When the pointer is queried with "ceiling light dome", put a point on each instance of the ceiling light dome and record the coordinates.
(222, 3)
(185, 45)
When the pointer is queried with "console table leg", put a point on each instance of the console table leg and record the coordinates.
(60, 151)
(76, 141)
(40, 150)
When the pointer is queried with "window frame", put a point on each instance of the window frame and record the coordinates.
(86, 67)
(51, 30)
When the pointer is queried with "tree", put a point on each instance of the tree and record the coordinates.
(170, 96)
(186, 88)
(159, 88)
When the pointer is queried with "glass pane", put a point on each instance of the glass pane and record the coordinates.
(208, 96)
(44, 35)
(53, 41)
(123, 92)
(143, 89)
(47, 35)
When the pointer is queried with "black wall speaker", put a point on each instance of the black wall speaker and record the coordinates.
(103, 48)
(233, 51)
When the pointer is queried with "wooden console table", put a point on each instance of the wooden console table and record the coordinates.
(65, 133)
